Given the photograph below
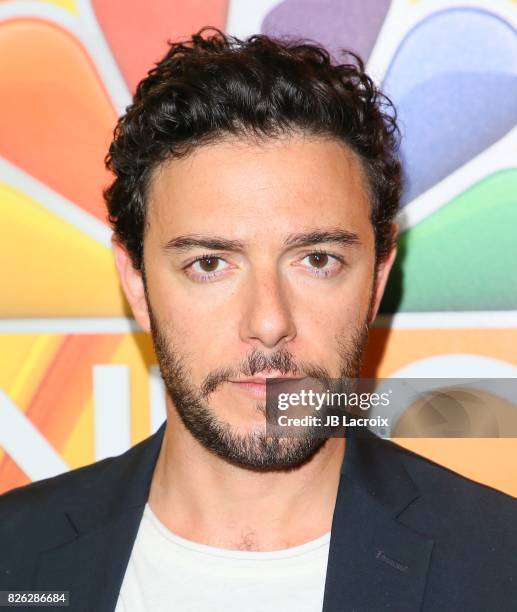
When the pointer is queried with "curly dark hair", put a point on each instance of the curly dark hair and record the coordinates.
(215, 85)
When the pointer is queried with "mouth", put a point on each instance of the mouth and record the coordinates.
(257, 386)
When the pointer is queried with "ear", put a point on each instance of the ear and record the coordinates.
(132, 284)
(383, 271)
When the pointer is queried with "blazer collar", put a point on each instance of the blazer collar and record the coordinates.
(376, 466)
(374, 560)
(123, 485)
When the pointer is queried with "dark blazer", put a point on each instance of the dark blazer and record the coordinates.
(407, 534)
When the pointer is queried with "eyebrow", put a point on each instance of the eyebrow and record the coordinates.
(301, 239)
(337, 236)
(215, 243)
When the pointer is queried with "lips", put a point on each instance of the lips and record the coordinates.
(257, 386)
(263, 379)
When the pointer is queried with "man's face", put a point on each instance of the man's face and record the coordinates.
(259, 261)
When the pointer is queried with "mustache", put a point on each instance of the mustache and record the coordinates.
(258, 362)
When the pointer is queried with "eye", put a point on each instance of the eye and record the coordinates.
(323, 264)
(206, 267)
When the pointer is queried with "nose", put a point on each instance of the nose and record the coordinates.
(267, 320)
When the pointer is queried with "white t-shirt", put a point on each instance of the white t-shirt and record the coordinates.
(167, 572)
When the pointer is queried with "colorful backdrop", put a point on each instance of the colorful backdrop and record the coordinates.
(77, 381)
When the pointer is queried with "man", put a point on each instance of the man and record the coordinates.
(255, 189)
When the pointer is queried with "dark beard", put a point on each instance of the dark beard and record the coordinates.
(254, 451)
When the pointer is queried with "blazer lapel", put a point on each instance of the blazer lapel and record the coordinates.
(375, 562)
(101, 526)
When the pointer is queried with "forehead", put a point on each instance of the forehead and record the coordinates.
(247, 187)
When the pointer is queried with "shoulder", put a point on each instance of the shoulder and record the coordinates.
(52, 512)
(33, 518)
(29, 506)
(442, 486)
(473, 528)
(457, 511)
(94, 478)
(54, 489)
(437, 486)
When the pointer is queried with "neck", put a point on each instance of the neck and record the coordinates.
(203, 498)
